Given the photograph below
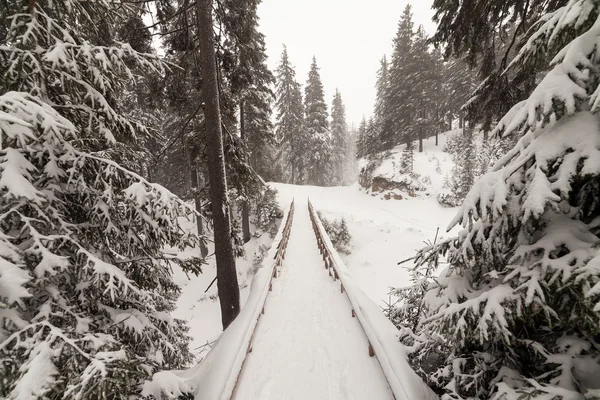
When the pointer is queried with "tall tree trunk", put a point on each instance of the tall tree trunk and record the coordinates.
(227, 284)
(436, 138)
(245, 209)
(293, 173)
(197, 183)
(292, 149)
(421, 131)
(196, 189)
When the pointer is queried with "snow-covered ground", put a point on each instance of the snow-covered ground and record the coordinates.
(384, 232)
(201, 309)
(432, 167)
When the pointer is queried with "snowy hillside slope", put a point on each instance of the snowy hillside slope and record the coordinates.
(430, 168)
(383, 232)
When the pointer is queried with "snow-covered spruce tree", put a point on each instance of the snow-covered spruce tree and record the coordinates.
(319, 148)
(290, 119)
(408, 158)
(85, 282)
(267, 211)
(397, 110)
(380, 117)
(516, 313)
(422, 86)
(339, 139)
(361, 138)
(488, 38)
(467, 167)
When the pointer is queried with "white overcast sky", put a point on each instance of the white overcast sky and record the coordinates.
(348, 37)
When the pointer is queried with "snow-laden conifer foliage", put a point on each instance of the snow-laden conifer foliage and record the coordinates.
(339, 140)
(516, 312)
(410, 102)
(318, 151)
(290, 120)
(85, 280)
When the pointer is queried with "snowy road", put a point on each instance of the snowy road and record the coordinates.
(307, 345)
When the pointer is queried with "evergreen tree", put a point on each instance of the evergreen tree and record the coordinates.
(398, 112)
(351, 164)
(339, 138)
(85, 285)
(382, 121)
(371, 137)
(290, 119)
(227, 284)
(244, 91)
(466, 169)
(486, 38)
(459, 82)
(408, 158)
(251, 82)
(319, 149)
(516, 312)
(423, 81)
(361, 139)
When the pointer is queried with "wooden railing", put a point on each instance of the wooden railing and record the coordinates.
(329, 262)
(334, 265)
(279, 257)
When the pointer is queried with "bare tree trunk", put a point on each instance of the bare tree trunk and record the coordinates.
(197, 203)
(293, 173)
(227, 284)
(245, 209)
(293, 162)
(197, 182)
(421, 132)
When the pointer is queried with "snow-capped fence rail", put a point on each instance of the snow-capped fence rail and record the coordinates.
(279, 257)
(380, 333)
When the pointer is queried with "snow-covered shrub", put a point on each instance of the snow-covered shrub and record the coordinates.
(237, 238)
(267, 211)
(85, 288)
(425, 180)
(338, 232)
(407, 161)
(365, 176)
(257, 260)
(465, 170)
(516, 314)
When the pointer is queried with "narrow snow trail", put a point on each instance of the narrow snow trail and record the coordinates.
(307, 345)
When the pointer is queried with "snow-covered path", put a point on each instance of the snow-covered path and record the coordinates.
(307, 345)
